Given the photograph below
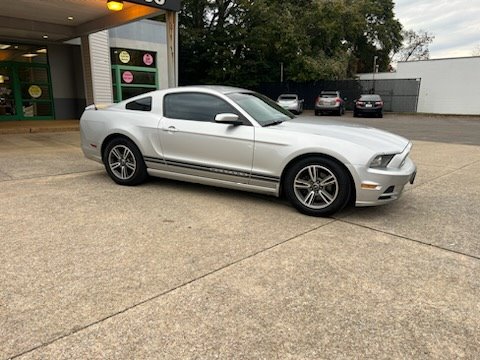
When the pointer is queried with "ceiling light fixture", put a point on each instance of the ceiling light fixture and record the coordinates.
(2, 79)
(4, 46)
(70, 18)
(45, 36)
(42, 51)
(114, 5)
(29, 55)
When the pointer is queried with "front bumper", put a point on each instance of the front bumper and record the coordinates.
(382, 186)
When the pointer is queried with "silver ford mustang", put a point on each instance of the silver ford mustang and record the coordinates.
(239, 139)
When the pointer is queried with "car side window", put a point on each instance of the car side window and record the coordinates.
(195, 106)
(143, 104)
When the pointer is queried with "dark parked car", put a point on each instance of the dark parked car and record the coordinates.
(368, 104)
(329, 102)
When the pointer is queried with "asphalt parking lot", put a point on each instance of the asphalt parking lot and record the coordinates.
(90, 269)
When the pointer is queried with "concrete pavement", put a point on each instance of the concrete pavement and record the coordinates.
(89, 269)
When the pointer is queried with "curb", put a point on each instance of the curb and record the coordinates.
(32, 130)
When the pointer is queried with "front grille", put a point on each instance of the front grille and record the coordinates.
(387, 194)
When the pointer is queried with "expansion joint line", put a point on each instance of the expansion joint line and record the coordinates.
(411, 240)
(226, 266)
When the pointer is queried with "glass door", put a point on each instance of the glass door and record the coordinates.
(7, 94)
(25, 83)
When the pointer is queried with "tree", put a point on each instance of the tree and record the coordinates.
(377, 34)
(243, 42)
(415, 46)
(476, 50)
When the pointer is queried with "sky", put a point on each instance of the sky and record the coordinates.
(454, 23)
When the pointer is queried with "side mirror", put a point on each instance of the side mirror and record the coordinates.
(228, 118)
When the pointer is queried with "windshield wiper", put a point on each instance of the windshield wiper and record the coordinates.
(276, 122)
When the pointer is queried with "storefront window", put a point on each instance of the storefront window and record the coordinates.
(134, 72)
(25, 86)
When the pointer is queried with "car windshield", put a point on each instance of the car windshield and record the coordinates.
(287, 97)
(370, 98)
(265, 111)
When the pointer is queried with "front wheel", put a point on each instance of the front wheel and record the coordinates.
(317, 186)
(124, 162)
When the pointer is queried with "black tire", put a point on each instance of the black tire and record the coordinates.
(339, 113)
(124, 162)
(355, 114)
(317, 112)
(311, 197)
(380, 115)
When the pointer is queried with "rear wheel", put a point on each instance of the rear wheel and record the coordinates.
(124, 162)
(317, 186)
(317, 112)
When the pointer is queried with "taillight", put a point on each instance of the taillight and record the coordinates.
(317, 100)
(360, 103)
(337, 100)
(379, 103)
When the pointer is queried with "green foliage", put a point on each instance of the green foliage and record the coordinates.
(244, 42)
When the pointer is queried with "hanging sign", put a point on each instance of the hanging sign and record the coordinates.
(35, 91)
(174, 5)
(148, 59)
(127, 76)
(124, 57)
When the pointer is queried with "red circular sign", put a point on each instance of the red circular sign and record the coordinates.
(127, 76)
(148, 59)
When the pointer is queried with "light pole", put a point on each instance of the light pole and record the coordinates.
(374, 71)
(281, 72)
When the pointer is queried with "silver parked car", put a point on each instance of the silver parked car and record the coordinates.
(291, 102)
(239, 139)
(329, 102)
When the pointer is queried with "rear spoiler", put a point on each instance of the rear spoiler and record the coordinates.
(97, 106)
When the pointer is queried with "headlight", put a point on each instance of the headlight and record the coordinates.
(381, 161)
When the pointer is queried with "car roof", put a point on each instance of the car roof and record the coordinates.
(219, 88)
(370, 95)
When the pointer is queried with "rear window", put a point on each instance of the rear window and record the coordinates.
(328, 96)
(143, 104)
(370, 98)
(287, 97)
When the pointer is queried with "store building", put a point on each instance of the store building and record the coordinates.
(58, 56)
(447, 86)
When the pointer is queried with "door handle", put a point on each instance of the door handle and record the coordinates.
(171, 129)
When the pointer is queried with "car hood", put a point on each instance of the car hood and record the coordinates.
(374, 139)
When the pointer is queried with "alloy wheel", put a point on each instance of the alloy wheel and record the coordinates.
(122, 162)
(316, 187)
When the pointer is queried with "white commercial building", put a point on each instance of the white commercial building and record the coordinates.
(447, 86)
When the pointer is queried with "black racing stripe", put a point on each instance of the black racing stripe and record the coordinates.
(265, 178)
(212, 169)
(154, 160)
